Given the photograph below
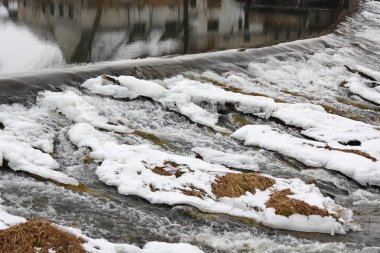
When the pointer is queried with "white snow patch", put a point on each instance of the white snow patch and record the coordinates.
(131, 87)
(237, 161)
(7, 219)
(22, 156)
(357, 86)
(129, 168)
(26, 125)
(332, 129)
(311, 153)
(77, 109)
(185, 96)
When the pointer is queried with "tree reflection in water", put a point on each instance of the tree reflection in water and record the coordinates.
(105, 30)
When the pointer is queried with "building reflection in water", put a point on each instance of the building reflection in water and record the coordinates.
(103, 30)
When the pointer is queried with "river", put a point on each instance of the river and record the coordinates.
(290, 50)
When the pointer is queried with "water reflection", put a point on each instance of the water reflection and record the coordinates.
(103, 30)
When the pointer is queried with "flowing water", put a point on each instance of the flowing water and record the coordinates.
(56, 45)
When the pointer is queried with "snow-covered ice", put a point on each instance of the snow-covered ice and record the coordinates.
(28, 125)
(131, 169)
(334, 130)
(77, 109)
(237, 161)
(312, 153)
(131, 87)
(21, 156)
(358, 87)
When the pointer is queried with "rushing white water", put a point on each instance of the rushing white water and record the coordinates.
(317, 77)
(21, 50)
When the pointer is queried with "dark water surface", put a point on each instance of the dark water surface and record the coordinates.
(53, 33)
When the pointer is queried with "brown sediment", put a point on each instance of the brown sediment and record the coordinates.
(241, 120)
(199, 193)
(88, 159)
(161, 171)
(234, 185)
(227, 87)
(343, 83)
(83, 189)
(352, 151)
(170, 168)
(28, 236)
(328, 108)
(145, 135)
(173, 164)
(111, 79)
(153, 138)
(333, 110)
(152, 188)
(77, 188)
(54, 153)
(361, 73)
(357, 104)
(286, 206)
(296, 94)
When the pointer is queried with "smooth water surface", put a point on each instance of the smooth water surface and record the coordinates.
(37, 34)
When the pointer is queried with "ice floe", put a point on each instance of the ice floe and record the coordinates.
(237, 161)
(27, 139)
(124, 87)
(187, 96)
(312, 153)
(162, 177)
(21, 156)
(28, 125)
(320, 125)
(131, 87)
(77, 109)
(357, 86)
